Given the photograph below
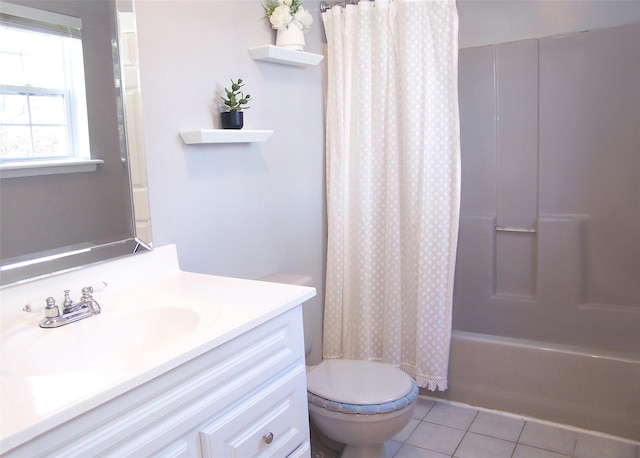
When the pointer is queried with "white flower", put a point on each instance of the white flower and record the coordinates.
(281, 17)
(302, 18)
(283, 13)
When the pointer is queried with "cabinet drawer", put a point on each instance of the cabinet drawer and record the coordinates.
(304, 451)
(269, 423)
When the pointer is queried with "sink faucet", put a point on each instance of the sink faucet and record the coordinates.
(71, 311)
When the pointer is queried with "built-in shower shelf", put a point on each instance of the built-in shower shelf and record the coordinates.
(201, 136)
(280, 55)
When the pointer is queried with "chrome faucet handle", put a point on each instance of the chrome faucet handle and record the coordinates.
(51, 310)
(98, 286)
(68, 304)
(89, 301)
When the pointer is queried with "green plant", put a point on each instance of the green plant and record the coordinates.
(271, 5)
(235, 99)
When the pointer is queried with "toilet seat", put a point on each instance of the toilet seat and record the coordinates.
(359, 387)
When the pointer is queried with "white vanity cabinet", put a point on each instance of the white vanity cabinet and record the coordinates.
(246, 397)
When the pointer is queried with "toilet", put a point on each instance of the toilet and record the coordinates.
(360, 404)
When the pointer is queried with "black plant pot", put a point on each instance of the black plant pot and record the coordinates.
(232, 119)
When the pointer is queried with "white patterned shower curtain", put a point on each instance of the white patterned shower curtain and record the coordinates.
(393, 184)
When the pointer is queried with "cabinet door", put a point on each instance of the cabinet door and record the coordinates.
(272, 422)
(304, 451)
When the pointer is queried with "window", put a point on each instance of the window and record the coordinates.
(43, 114)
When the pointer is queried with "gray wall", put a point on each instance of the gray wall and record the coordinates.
(244, 210)
(550, 141)
(487, 22)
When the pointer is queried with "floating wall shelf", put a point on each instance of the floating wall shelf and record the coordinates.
(280, 55)
(194, 137)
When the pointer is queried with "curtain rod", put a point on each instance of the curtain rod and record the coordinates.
(326, 6)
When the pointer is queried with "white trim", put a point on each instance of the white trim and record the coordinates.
(41, 15)
(51, 167)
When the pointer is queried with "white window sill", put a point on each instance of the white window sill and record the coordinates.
(36, 168)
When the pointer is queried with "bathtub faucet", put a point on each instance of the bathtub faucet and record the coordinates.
(71, 311)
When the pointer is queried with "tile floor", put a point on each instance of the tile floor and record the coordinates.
(441, 429)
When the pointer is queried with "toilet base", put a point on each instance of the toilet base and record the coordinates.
(322, 446)
(361, 434)
(364, 451)
(326, 446)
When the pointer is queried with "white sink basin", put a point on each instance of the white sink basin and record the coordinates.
(123, 334)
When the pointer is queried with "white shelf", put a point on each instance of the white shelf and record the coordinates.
(279, 55)
(194, 137)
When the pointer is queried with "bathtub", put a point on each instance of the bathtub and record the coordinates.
(598, 391)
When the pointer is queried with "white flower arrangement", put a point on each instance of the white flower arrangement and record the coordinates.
(284, 13)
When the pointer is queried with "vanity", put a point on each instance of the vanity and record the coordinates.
(176, 364)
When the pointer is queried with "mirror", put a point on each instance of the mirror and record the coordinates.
(55, 222)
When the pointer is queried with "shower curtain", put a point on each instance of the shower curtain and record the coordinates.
(393, 184)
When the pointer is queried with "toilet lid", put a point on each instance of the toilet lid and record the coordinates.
(358, 382)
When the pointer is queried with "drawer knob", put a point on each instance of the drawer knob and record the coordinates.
(268, 438)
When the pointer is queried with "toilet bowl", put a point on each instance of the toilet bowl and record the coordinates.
(360, 404)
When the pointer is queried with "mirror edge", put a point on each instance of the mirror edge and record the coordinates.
(133, 137)
(73, 260)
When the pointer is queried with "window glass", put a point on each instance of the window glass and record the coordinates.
(42, 91)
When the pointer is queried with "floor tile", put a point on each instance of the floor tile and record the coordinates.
(391, 447)
(410, 451)
(423, 406)
(525, 451)
(406, 431)
(319, 450)
(496, 425)
(549, 437)
(451, 415)
(592, 446)
(478, 446)
(436, 437)
(451, 430)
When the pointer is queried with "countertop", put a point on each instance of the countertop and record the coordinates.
(32, 400)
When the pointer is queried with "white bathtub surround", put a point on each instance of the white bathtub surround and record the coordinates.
(393, 184)
(213, 319)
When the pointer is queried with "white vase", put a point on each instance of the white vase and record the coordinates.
(291, 37)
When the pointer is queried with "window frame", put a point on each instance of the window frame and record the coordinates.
(31, 91)
(78, 157)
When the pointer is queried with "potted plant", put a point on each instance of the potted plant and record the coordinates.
(290, 19)
(234, 102)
